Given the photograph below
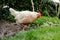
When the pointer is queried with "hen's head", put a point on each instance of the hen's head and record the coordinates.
(39, 15)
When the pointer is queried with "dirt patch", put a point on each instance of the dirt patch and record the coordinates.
(8, 29)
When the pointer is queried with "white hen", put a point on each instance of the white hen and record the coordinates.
(24, 17)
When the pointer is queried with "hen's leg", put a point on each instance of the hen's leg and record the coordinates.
(24, 27)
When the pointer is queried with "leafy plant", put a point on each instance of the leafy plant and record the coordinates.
(44, 19)
(11, 18)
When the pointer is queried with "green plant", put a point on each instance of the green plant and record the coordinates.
(44, 19)
(11, 18)
(5, 15)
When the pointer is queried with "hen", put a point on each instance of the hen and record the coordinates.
(24, 17)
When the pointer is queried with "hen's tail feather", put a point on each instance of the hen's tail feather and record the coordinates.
(13, 12)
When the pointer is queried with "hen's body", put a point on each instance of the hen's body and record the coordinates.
(24, 17)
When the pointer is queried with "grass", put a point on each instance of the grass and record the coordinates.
(45, 33)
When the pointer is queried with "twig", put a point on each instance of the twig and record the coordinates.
(32, 5)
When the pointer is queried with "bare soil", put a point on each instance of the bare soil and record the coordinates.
(8, 28)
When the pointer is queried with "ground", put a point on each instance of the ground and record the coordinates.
(8, 28)
(46, 33)
(47, 28)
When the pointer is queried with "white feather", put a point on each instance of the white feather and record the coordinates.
(13, 12)
(5, 6)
